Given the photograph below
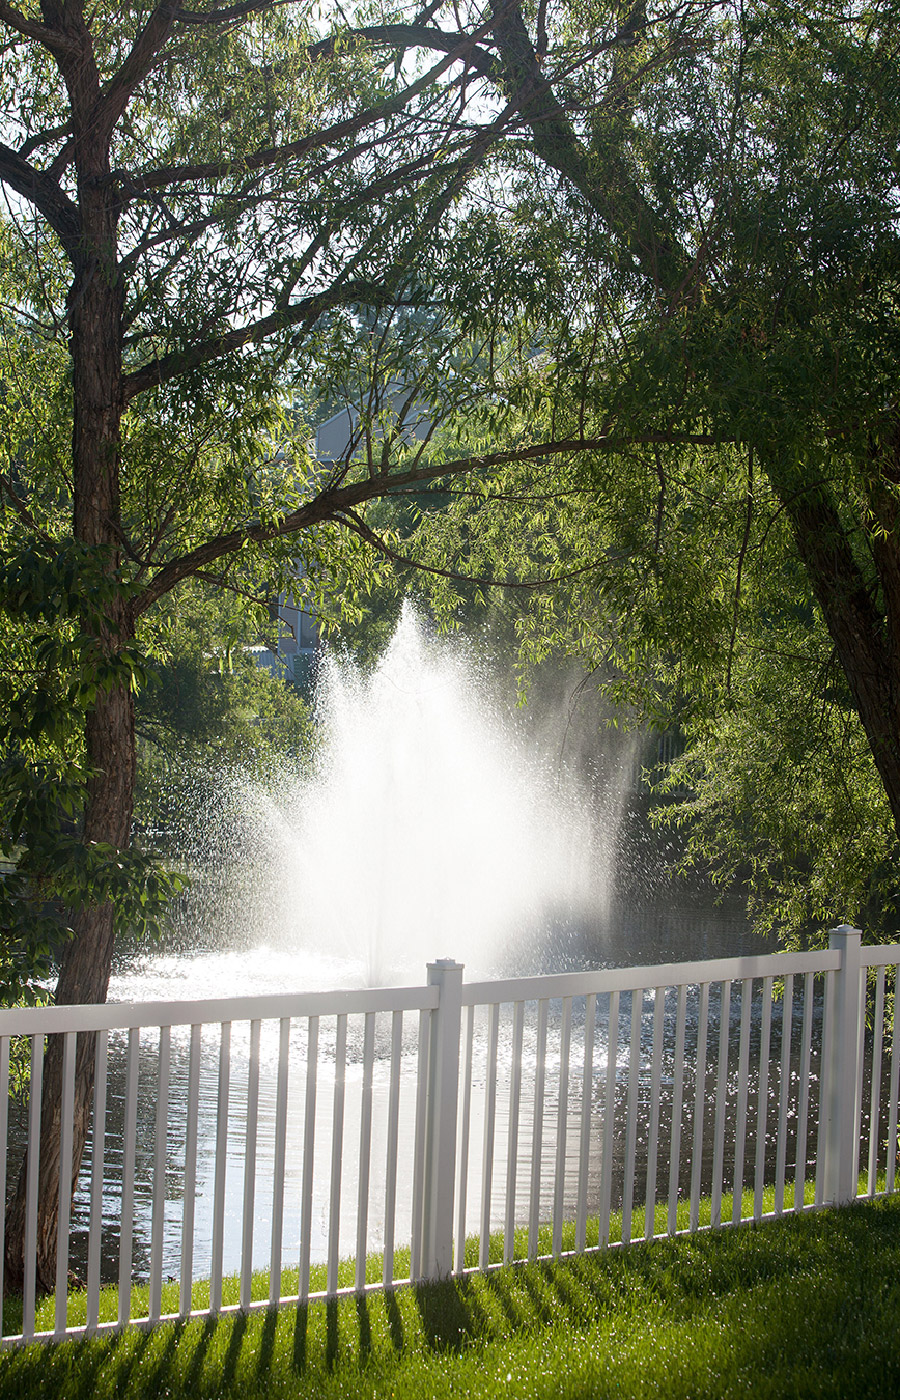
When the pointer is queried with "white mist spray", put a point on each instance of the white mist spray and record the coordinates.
(430, 827)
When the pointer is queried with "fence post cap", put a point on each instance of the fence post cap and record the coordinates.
(445, 965)
(845, 931)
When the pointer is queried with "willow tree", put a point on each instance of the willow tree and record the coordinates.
(195, 197)
(723, 196)
(759, 315)
(208, 209)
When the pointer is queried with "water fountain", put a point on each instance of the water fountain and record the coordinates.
(438, 819)
(433, 824)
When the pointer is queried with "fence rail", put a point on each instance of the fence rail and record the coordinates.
(355, 1139)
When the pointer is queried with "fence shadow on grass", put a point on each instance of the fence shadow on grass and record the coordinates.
(446, 1314)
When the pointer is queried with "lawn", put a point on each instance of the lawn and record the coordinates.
(806, 1305)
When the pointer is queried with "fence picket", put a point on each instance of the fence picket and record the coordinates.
(857, 1098)
(721, 1095)
(659, 1008)
(365, 1151)
(67, 1110)
(587, 1090)
(250, 1137)
(309, 1146)
(762, 1097)
(677, 1102)
(278, 1164)
(875, 1096)
(185, 1297)
(390, 1175)
(159, 1173)
(490, 1119)
(562, 1124)
(699, 1104)
(609, 1118)
(895, 1087)
(337, 1156)
(126, 1222)
(418, 1190)
(462, 1146)
(31, 1186)
(803, 1107)
(512, 1151)
(784, 1090)
(218, 1232)
(743, 1099)
(634, 1074)
(537, 1130)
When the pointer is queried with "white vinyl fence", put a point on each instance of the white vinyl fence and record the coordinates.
(275, 1149)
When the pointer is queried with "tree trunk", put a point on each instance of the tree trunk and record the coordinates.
(95, 322)
(84, 978)
(863, 626)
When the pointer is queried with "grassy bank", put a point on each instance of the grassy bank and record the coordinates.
(796, 1307)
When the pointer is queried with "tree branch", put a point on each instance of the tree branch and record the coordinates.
(59, 44)
(41, 138)
(302, 313)
(135, 67)
(358, 526)
(21, 508)
(335, 501)
(403, 36)
(222, 582)
(272, 156)
(607, 189)
(228, 12)
(60, 212)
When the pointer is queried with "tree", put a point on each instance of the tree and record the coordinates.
(724, 197)
(205, 204)
(778, 339)
(192, 192)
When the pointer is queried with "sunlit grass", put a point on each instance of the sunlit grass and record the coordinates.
(806, 1305)
(76, 1312)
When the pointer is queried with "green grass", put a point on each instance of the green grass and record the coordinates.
(804, 1306)
(76, 1312)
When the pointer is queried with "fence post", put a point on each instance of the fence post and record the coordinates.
(440, 1120)
(839, 1126)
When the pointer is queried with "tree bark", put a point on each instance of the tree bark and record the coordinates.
(95, 304)
(863, 624)
(87, 959)
(83, 978)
